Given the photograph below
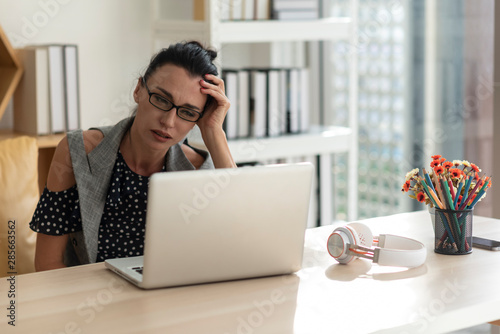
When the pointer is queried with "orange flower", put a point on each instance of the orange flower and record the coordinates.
(455, 172)
(475, 168)
(436, 157)
(442, 160)
(421, 197)
(438, 170)
(434, 163)
(406, 186)
(476, 176)
(448, 164)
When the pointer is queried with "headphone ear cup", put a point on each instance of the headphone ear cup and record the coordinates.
(364, 234)
(337, 244)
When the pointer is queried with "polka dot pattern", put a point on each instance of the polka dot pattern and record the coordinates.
(57, 212)
(122, 228)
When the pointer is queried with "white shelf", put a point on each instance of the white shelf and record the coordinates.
(318, 141)
(259, 31)
(256, 31)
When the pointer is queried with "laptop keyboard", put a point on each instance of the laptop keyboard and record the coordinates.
(138, 269)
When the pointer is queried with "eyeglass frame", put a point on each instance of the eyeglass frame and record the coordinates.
(173, 105)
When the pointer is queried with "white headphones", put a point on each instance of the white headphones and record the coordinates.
(355, 240)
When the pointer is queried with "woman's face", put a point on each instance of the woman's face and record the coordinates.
(161, 129)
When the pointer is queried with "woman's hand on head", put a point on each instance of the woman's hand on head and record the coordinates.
(216, 111)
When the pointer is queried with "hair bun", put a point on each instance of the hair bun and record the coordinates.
(210, 52)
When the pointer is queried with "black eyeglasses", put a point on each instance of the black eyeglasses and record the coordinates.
(165, 104)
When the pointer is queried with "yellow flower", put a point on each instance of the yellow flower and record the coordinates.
(465, 163)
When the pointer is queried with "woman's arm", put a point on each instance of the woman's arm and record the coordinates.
(210, 124)
(49, 252)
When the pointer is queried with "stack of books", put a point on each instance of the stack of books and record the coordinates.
(246, 10)
(47, 98)
(266, 102)
(295, 9)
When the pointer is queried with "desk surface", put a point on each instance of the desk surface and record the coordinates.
(446, 293)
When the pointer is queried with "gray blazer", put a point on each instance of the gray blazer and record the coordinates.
(93, 176)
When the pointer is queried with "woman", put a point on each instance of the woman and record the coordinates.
(93, 206)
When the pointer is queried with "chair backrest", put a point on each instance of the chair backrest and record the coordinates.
(19, 196)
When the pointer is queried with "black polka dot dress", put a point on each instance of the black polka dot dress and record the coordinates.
(122, 228)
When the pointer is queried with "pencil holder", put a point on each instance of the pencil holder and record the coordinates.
(453, 232)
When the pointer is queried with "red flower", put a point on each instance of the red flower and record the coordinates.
(476, 176)
(442, 160)
(455, 172)
(436, 157)
(474, 167)
(434, 163)
(406, 186)
(448, 164)
(438, 170)
(421, 197)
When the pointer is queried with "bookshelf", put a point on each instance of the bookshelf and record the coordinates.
(10, 71)
(320, 141)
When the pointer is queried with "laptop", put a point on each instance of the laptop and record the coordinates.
(224, 224)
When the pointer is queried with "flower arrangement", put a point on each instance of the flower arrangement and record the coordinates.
(454, 185)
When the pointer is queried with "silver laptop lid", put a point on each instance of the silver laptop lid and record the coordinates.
(224, 224)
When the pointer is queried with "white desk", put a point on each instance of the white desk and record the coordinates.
(445, 294)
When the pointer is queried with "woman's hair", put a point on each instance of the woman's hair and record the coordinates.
(191, 56)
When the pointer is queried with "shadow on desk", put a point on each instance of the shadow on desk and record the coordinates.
(365, 269)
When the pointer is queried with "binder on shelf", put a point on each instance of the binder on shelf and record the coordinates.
(258, 98)
(283, 93)
(248, 10)
(273, 103)
(243, 104)
(237, 9)
(71, 87)
(225, 10)
(293, 100)
(31, 99)
(231, 121)
(57, 89)
(262, 9)
(304, 100)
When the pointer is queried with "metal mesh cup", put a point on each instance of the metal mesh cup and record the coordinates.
(453, 232)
